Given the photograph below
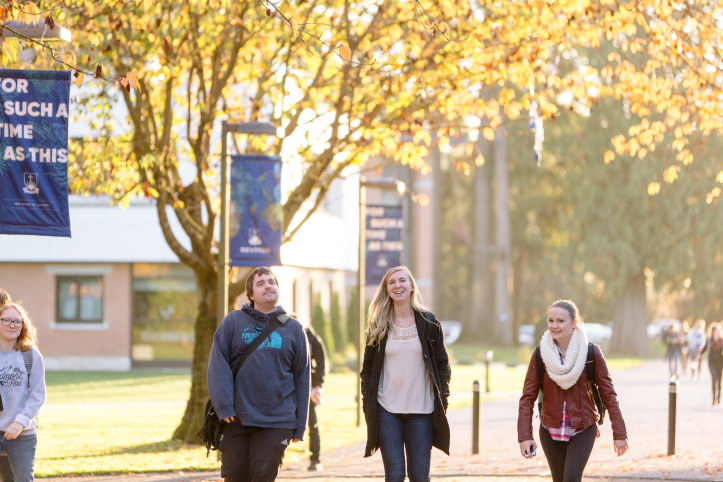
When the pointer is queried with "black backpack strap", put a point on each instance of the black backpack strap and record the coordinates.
(590, 363)
(540, 366)
(281, 320)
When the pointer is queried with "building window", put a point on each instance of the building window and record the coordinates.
(80, 299)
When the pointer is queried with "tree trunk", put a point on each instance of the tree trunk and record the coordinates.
(518, 291)
(205, 328)
(480, 300)
(631, 318)
(503, 320)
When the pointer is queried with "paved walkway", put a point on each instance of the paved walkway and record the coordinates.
(643, 393)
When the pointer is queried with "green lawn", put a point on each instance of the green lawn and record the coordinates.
(99, 423)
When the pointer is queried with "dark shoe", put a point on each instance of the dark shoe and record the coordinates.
(315, 467)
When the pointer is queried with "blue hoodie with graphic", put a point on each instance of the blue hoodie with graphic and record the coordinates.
(272, 387)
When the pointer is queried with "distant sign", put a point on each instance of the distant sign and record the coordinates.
(255, 211)
(384, 240)
(34, 152)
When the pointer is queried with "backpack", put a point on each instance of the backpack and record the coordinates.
(589, 372)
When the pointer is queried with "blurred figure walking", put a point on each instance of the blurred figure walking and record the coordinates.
(696, 342)
(715, 358)
(672, 340)
(318, 372)
(404, 380)
(684, 359)
(568, 412)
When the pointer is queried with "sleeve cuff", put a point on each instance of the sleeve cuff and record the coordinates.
(225, 411)
(299, 433)
(22, 420)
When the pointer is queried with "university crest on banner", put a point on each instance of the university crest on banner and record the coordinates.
(34, 152)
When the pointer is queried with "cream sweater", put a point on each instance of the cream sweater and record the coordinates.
(405, 385)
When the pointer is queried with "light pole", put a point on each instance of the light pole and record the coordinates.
(252, 128)
(386, 183)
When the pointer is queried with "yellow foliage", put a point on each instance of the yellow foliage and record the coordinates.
(653, 188)
(719, 177)
(479, 161)
(609, 157)
(712, 195)
(671, 174)
(488, 134)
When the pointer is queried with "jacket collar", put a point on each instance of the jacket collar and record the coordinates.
(262, 317)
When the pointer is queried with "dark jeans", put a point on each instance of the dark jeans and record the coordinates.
(314, 437)
(252, 454)
(398, 432)
(19, 463)
(716, 372)
(568, 459)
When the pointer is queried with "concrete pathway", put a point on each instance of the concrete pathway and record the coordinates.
(643, 393)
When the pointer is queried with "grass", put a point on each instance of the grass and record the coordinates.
(100, 422)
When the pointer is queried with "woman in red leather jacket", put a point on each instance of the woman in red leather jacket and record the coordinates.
(568, 417)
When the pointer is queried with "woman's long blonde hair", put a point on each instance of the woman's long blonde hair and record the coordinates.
(28, 337)
(381, 311)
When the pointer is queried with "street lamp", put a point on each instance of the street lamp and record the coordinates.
(252, 128)
(386, 183)
(34, 31)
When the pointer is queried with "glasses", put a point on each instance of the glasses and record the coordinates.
(9, 321)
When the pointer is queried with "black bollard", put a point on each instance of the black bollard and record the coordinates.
(475, 417)
(672, 409)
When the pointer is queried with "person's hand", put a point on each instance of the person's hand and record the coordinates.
(294, 440)
(13, 431)
(228, 419)
(525, 447)
(621, 446)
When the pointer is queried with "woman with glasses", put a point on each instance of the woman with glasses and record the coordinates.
(22, 374)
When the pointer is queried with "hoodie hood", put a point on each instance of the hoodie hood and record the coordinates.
(263, 317)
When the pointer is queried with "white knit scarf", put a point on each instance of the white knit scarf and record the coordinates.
(565, 375)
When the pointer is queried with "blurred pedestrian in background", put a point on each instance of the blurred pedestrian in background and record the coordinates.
(715, 358)
(696, 342)
(568, 414)
(318, 372)
(405, 380)
(671, 338)
(23, 393)
(684, 330)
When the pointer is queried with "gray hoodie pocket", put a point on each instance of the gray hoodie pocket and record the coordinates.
(259, 392)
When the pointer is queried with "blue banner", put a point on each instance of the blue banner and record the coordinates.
(255, 211)
(34, 152)
(384, 241)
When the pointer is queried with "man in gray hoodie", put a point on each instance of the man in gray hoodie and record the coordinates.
(267, 406)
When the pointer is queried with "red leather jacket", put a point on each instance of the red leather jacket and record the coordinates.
(580, 403)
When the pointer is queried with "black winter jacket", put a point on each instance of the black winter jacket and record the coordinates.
(317, 352)
(437, 363)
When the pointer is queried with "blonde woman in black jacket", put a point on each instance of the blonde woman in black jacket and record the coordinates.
(405, 380)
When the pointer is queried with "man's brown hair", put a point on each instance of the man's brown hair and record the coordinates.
(250, 281)
(4, 297)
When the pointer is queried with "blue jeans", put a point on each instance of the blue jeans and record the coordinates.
(19, 464)
(397, 432)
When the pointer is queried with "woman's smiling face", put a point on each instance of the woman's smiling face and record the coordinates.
(560, 324)
(399, 286)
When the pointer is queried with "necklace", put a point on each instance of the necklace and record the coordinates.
(399, 322)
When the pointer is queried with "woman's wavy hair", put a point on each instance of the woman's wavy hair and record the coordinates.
(570, 307)
(28, 337)
(381, 311)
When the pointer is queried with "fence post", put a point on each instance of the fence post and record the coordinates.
(475, 417)
(672, 412)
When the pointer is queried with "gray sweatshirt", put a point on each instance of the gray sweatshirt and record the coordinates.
(21, 403)
(272, 387)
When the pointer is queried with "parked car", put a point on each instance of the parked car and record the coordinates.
(526, 335)
(597, 333)
(656, 327)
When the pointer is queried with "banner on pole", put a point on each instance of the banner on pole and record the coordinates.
(255, 211)
(34, 152)
(384, 240)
